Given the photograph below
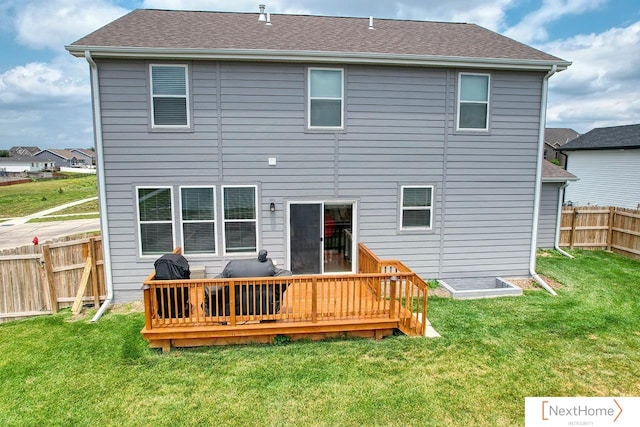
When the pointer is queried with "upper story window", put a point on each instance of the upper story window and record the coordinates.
(240, 219)
(417, 207)
(155, 220)
(198, 217)
(326, 98)
(473, 101)
(169, 96)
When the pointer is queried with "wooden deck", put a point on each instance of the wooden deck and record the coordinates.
(384, 296)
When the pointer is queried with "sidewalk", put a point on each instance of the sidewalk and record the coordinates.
(16, 232)
(25, 219)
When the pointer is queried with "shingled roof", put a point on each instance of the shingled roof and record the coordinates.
(553, 173)
(188, 34)
(615, 137)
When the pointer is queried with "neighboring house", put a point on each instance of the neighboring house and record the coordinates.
(23, 151)
(554, 138)
(607, 160)
(88, 156)
(307, 135)
(554, 181)
(23, 164)
(61, 158)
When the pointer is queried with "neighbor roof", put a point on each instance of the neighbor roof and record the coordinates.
(188, 34)
(64, 154)
(553, 173)
(559, 136)
(606, 138)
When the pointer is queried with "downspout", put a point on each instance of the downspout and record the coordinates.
(102, 191)
(538, 186)
(556, 243)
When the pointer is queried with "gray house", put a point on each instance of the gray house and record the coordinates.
(60, 158)
(607, 160)
(305, 135)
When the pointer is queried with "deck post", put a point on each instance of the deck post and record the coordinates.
(232, 302)
(314, 299)
(392, 297)
(147, 306)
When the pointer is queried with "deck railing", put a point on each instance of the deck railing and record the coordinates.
(395, 293)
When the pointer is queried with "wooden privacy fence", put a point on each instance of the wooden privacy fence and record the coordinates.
(597, 227)
(37, 280)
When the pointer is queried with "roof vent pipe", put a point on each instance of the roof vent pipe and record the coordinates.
(371, 23)
(268, 19)
(261, 17)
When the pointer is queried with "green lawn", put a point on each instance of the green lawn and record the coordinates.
(25, 199)
(493, 353)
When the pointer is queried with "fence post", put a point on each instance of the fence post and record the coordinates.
(573, 227)
(612, 213)
(46, 256)
(94, 273)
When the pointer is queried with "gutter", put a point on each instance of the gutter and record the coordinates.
(317, 56)
(538, 186)
(556, 242)
(102, 190)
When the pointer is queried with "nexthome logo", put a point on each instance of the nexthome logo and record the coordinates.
(550, 410)
(582, 411)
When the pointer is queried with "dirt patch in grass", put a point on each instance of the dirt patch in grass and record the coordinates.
(439, 292)
(530, 284)
(128, 307)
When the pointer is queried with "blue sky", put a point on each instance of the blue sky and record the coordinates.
(45, 94)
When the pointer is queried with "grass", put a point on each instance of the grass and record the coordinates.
(64, 218)
(24, 199)
(493, 353)
(88, 207)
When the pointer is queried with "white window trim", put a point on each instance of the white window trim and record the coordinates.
(138, 222)
(214, 221)
(487, 102)
(224, 221)
(403, 208)
(341, 127)
(185, 96)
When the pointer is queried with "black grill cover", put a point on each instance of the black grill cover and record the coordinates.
(172, 267)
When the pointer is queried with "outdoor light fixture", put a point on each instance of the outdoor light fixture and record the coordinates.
(272, 207)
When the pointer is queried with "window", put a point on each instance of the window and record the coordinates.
(416, 205)
(240, 219)
(473, 102)
(325, 98)
(155, 220)
(197, 213)
(169, 100)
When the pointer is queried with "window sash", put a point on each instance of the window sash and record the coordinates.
(198, 218)
(169, 96)
(240, 211)
(473, 101)
(416, 214)
(155, 220)
(325, 104)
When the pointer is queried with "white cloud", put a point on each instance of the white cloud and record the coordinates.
(64, 80)
(273, 6)
(54, 23)
(601, 87)
(532, 27)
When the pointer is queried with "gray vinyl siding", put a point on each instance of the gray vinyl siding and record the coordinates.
(548, 215)
(399, 130)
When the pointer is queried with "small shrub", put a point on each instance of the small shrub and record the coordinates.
(281, 340)
(555, 162)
